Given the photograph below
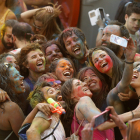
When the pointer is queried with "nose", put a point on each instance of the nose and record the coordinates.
(89, 79)
(103, 38)
(21, 77)
(67, 67)
(11, 40)
(73, 43)
(54, 53)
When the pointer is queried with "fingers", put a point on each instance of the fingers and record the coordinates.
(7, 97)
(112, 110)
(123, 97)
(49, 9)
(3, 96)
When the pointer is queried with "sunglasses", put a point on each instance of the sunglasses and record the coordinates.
(137, 68)
(37, 26)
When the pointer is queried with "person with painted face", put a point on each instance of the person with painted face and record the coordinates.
(63, 69)
(73, 42)
(97, 85)
(104, 61)
(42, 124)
(32, 63)
(12, 82)
(52, 51)
(7, 43)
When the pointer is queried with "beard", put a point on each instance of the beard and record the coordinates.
(6, 44)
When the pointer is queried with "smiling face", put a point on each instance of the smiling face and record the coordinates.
(93, 82)
(64, 70)
(50, 92)
(102, 62)
(132, 22)
(108, 31)
(53, 53)
(80, 89)
(135, 82)
(35, 61)
(17, 80)
(75, 46)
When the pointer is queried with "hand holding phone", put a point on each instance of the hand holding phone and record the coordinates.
(101, 118)
(118, 40)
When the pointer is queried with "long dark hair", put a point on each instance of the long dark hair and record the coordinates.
(104, 90)
(6, 83)
(118, 65)
(66, 91)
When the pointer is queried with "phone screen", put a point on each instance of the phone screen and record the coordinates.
(102, 118)
(101, 13)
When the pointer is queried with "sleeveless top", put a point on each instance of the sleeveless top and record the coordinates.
(2, 20)
(97, 134)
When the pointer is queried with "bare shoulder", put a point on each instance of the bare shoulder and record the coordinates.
(11, 15)
(85, 98)
(10, 106)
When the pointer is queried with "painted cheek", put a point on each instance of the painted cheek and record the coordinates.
(110, 62)
(32, 65)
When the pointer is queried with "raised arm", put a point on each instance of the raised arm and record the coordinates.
(37, 2)
(28, 15)
(122, 86)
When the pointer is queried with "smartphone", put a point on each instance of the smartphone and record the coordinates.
(118, 40)
(101, 10)
(101, 118)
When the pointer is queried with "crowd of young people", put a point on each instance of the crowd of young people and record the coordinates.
(39, 60)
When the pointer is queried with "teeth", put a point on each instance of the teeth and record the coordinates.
(55, 59)
(135, 76)
(66, 73)
(76, 49)
(103, 65)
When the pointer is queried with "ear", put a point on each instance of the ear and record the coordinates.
(126, 17)
(14, 38)
(25, 64)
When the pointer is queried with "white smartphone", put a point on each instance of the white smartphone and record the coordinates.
(118, 40)
(93, 15)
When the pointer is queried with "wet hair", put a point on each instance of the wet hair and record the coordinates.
(22, 31)
(133, 7)
(8, 23)
(123, 29)
(68, 32)
(54, 65)
(3, 57)
(104, 90)
(48, 20)
(118, 65)
(51, 42)
(6, 83)
(37, 96)
(66, 91)
(23, 57)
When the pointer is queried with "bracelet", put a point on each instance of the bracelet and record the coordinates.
(128, 62)
(132, 114)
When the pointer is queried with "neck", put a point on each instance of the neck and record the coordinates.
(33, 76)
(109, 73)
(131, 32)
(2, 7)
(138, 91)
(21, 44)
(84, 58)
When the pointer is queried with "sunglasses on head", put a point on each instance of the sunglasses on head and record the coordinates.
(52, 82)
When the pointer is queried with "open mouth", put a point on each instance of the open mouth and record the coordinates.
(135, 76)
(67, 74)
(91, 84)
(104, 64)
(55, 59)
(76, 50)
(40, 63)
(22, 85)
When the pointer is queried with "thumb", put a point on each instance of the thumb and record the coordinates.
(7, 97)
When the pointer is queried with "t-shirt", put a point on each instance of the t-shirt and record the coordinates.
(59, 132)
(137, 38)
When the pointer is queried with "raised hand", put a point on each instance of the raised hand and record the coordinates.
(4, 96)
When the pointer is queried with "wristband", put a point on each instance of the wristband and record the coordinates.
(128, 62)
(101, 28)
(132, 114)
